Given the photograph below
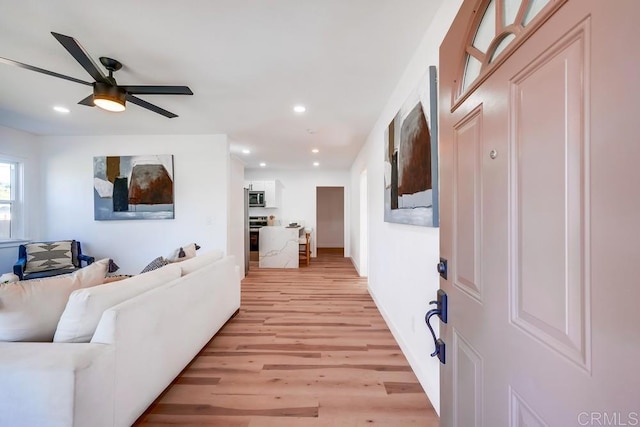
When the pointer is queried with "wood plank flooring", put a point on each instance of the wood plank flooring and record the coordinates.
(308, 348)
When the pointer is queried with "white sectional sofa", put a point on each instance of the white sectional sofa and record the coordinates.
(139, 346)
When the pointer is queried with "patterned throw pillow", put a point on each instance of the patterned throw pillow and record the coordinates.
(45, 256)
(155, 264)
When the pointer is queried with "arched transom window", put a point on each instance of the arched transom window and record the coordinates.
(502, 22)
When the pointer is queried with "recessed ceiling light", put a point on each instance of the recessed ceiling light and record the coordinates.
(299, 109)
(263, 165)
(315, 151)
(316, 164)
(245, 151)
(60, 109)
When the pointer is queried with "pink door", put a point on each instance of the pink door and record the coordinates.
(540, 213)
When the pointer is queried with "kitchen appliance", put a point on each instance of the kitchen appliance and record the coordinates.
(255, 224)
(247, 233)
(256, 199)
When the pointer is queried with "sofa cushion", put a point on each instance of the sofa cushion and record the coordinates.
(30, 309)
(85, 306)
(45, 256)
(200, 261)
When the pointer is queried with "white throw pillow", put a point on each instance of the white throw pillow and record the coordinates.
(184, 253)
(93, 274)
(30, 309)
(85, 306)
(195, 263)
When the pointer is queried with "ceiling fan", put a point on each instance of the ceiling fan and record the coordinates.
(107, 94)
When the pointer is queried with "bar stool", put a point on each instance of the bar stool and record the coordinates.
(304, 247)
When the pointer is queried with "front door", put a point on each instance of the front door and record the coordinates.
(540, 213)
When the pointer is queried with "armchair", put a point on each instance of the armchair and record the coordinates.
(44, 259)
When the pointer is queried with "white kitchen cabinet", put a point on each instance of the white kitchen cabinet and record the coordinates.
(257, 186)
(271, 199)
(272, 191)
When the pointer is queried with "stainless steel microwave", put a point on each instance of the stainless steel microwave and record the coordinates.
(256, 199)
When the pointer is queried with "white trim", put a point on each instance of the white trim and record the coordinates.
(13, 243)
(415, 362)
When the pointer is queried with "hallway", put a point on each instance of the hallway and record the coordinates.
(308, 348)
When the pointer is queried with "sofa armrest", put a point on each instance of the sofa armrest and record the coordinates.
(145, 329)
(18, 267)
(86, 258)
(56, 384)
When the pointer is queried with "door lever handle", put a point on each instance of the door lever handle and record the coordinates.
(441, 305)
(441, 312)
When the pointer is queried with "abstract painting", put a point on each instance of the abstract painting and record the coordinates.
(133, 187)
(411, 159)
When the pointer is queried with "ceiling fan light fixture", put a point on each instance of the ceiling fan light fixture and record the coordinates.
(110, 98)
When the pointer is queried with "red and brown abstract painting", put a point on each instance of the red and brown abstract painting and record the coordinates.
(133, 187)
(411, 159)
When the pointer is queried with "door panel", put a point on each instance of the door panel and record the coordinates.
(539, 223)
(522, 415)
(467, 389)
(548, 115)
(466, 154)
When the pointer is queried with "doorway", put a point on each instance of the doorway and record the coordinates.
(330, 219)
(363, 263)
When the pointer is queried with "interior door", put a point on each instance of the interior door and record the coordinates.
(539, 163)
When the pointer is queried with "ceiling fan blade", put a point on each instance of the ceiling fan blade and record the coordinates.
(149, 106)
(42, 70)
(88, 101)
(79, 54)
(158, 90)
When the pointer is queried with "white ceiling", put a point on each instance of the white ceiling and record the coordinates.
(248, 63)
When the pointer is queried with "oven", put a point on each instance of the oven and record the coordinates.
(254, 240)
(255, 224)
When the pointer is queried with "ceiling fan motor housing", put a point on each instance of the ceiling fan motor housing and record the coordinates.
(105, 91)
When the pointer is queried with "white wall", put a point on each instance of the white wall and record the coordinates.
(25, 148)
(299, 196)
(330, 217)
(201, 189)
(402, 258)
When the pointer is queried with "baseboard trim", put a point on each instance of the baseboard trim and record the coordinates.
(411, 357)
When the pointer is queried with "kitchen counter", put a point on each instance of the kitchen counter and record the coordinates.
(279, 247)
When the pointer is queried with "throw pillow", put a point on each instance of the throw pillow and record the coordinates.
(155, 264)
(93, 274)
(113, 267)
(185, 252)
(112, 279)
(85, 306)
(45, 256)
(8, 278)
(30, 309)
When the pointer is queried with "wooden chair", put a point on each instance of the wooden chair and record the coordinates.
(304, 248)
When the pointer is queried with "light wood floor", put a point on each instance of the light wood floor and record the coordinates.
(308, 348)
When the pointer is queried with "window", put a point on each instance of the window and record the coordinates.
(9, 202)
(502, 22)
